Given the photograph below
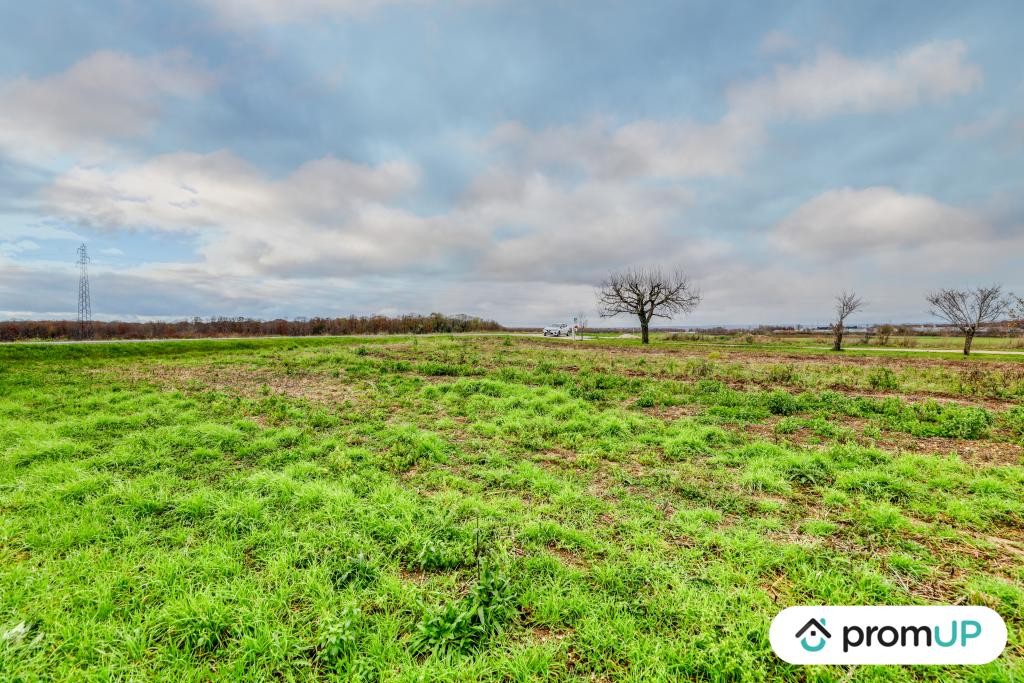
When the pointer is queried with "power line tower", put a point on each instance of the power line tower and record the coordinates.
(84, 302)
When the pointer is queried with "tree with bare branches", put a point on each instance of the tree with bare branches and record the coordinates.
(581, 320)
(647, 293)
(847, 303)
(1017, 313)
(883, 332)
(969, 309)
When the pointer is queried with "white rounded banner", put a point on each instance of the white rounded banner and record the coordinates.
(888, 635)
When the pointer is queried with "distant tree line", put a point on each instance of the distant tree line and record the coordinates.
(15, 330)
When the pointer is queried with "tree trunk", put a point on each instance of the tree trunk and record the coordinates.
(645, 336)
(837, 339)
(967, 343)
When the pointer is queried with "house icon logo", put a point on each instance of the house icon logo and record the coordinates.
(817, 631)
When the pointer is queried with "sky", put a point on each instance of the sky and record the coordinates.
(287, 158)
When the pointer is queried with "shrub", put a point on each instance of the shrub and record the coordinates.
(781, 373)
(646, 400)
(974, 380)
(934, 419)
(700, 368)
(830, 401)
(462, 626)
(883, 379)
(1013, 421)
(354, 571)
(408, 445)
(965, 422)
(339, 638)
(780, 402)
(789, 425)
(827, 430)
(707, 387)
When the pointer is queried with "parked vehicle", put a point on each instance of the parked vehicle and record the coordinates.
(558, 330)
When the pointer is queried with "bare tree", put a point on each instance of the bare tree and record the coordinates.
(581, 321)
(884, 332)
(969, 309)
(1018, 312)
(847, 304)
(647, 293)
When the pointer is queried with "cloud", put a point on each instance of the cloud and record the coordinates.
(834, 83)
(188, 191)
(831, 84)
(544, 228)
(539, 245)
(336, 217)
(547, 213)
(1000, 124)
(251, 13)
(851, 222)
(160, 292)
(671, 149)
(12, 248)
(38, 231)
(327, 215)
(775, 42)
(560, 205)
(105, 96)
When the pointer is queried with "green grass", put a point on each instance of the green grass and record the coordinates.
(487, 508)
(852, 342)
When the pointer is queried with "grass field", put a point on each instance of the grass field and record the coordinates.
(491, 508)
(853, 341)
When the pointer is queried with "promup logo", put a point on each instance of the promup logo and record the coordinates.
(817, 629)
(888, 635)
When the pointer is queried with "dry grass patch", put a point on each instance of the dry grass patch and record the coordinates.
(245, 380)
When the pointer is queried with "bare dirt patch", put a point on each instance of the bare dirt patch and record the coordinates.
(557, 459)
(248, 381)
(976, 452)
(670, 413)
(1014, 547)
(543, 634)
(990, 403)
(417, 577)
(568, 558)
